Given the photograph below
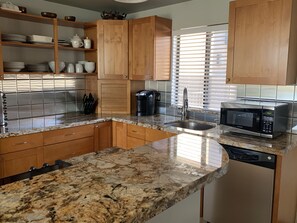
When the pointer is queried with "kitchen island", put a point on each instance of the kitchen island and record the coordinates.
(115, 185)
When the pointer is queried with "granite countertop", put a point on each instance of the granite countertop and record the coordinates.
(278, 146)
(117, 185)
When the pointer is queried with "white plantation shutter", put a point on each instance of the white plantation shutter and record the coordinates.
(199, 64)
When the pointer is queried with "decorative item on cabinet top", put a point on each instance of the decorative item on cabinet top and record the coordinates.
(113, 15)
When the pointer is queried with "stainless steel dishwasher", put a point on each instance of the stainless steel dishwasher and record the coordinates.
(245, 193)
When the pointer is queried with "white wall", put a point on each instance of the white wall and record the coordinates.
(192, 13)
(38, 6)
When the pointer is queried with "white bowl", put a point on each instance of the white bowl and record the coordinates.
(90, 67)
(52, 66)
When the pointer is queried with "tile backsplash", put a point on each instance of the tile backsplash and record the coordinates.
(287, 94)
(38, 95)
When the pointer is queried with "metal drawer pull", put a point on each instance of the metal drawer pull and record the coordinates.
(21, 143)
(71, 134)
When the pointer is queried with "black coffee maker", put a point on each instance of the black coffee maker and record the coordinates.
(146, 102)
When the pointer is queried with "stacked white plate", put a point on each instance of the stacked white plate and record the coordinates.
(39, 39)
(13, 37)
(37, 67)
(13, 66)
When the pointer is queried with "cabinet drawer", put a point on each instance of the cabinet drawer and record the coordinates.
(134, 142)
(136, 131)
(20, 162)
(155, 135)
(18, 143)
(67, 150)
(64, 135)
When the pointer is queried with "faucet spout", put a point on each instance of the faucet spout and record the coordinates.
(185, 107)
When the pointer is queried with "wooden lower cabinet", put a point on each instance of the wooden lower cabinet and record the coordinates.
(68, 149)
(134, 142)
(156, 135)
(21, 161)
(102, 136)
(129, 136)
(119, 134)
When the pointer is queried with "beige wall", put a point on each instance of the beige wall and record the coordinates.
(37, 6)
(192, 13)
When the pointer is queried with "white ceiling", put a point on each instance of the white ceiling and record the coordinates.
(108, 5)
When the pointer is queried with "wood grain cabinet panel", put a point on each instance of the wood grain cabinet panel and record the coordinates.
(136, 131)
(103, 136)
(21, 161)
(113, 49)
(68, 149)
(114, 97)
(119, 134)
(150, 48)
(262, 45)
(155, 135)
(134, 142)
(63, 135)
(19, 143)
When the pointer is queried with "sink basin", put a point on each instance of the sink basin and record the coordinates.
(190, 125)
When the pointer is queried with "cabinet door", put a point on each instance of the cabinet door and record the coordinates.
(141, 48)
(114, 97)
(103, 135)
(155, 135)
(119, 134)
(134, 142)
(113, 49)
(68, 149)
(20, 162)
(259, 42)
(150, 48)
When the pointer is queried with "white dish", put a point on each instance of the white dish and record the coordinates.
(8, 9)
(40, 39)
(12, 69)
(13, 64)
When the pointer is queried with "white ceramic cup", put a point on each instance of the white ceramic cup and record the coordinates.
(79, 68)
(90, 67)
(70, 68)
(87, 43)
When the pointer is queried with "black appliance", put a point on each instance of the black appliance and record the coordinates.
(146, 102)
(259, 118)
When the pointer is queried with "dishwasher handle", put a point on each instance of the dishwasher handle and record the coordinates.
(253, 157)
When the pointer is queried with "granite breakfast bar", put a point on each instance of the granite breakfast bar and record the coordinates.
(115, 185)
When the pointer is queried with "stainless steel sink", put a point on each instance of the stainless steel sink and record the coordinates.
(190, 125)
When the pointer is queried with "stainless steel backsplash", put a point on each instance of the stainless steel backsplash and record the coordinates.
(38, 95)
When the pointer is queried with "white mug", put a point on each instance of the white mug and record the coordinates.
(78, 68)
(70, 68)
(87, 43)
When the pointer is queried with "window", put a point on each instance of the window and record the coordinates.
(199, 64)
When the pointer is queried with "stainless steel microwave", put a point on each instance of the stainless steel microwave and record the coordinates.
(264, 119)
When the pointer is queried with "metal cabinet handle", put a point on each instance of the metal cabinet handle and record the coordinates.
(71, 134)
(21, 143)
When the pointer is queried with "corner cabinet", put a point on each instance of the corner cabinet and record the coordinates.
(262, 47)
(113, 49)
(150, 48)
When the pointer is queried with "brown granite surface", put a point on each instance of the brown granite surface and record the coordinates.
(116, 185)
(278, 146)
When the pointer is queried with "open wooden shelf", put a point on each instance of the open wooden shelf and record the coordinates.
(75, 49)
(30, 45)
(25, 16)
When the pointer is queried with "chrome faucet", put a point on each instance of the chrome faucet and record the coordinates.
(184, 113)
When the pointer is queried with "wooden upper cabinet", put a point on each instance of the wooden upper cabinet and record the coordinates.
(150, 48)
(113, 49)
(262, 45)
